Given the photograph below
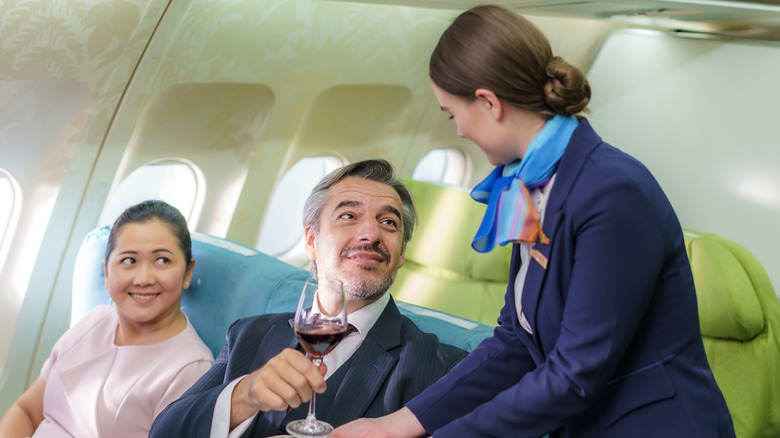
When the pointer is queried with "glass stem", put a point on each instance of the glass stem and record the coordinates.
(310, 416)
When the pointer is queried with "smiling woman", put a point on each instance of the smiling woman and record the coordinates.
(130, 360)
(145, 273)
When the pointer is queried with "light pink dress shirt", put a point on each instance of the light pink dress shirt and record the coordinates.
(97, 389)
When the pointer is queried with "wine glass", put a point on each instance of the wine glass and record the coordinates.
(320, 323)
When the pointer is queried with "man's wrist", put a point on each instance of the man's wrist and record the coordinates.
(241, 406)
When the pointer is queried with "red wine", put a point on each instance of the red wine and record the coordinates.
(319, 339)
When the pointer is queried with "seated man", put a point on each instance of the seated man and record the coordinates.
(357, 223)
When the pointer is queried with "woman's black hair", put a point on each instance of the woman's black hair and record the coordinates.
(154, 210)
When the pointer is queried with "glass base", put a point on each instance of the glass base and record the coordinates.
(309, 428)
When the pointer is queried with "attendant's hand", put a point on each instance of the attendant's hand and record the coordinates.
(285, 381)
(362, 428)
(400, 424)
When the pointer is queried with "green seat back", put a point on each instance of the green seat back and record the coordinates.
(740, 323)
(442, 271)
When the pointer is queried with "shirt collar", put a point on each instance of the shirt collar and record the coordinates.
(365, 317)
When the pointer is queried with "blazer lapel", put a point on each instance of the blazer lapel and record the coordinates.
(582, 143)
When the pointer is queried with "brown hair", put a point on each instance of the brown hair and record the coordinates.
(494, 48)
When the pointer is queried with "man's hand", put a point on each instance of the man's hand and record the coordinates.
(286, 380)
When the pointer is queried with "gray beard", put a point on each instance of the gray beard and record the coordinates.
(356, 289)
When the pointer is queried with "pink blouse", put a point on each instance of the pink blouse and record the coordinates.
(97, 389)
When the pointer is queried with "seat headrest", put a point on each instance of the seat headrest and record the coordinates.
(89, 289)
(449, 219)
(728, 282)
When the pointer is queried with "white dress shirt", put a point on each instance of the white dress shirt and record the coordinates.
(539, 195)
(363, 319)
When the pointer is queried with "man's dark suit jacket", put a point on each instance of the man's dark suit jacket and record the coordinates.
(395, 362)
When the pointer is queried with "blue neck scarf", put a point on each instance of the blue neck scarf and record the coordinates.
(511, 215)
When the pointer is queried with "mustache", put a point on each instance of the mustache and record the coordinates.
(346, 252)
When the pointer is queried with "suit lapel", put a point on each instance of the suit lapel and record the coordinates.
(274, 341)
(364, 378)
(365, 373)
(277, 338)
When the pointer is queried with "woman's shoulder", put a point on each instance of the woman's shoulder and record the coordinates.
(597, 168)
(89, 337)
(187, 346)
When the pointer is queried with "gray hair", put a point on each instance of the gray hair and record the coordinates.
(374, 170)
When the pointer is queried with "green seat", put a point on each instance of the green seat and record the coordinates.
(442, 271)
(740, 323)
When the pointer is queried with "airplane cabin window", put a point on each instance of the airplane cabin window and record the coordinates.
(282, 232)
(9, 202)
(447, 166)
(175, 181)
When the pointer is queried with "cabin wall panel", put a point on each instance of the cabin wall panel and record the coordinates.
(214, 125)
(59, 44)
(336, 44)
(700, 115)
(42, 123)
(297, 49)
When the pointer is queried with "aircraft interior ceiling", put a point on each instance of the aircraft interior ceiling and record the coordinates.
(744, 19)
(233, 94)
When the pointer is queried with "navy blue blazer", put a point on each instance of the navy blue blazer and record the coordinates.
(616, 349)
(395, 362)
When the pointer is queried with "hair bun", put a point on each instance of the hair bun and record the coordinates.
(567, 90)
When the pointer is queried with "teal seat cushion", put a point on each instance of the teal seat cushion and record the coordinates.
(450, 329)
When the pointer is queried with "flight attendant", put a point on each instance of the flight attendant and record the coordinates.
(599, 335)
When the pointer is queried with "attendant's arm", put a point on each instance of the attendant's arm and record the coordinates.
(286, 380)
(480, 369)
(24, 416)
(478, 378)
